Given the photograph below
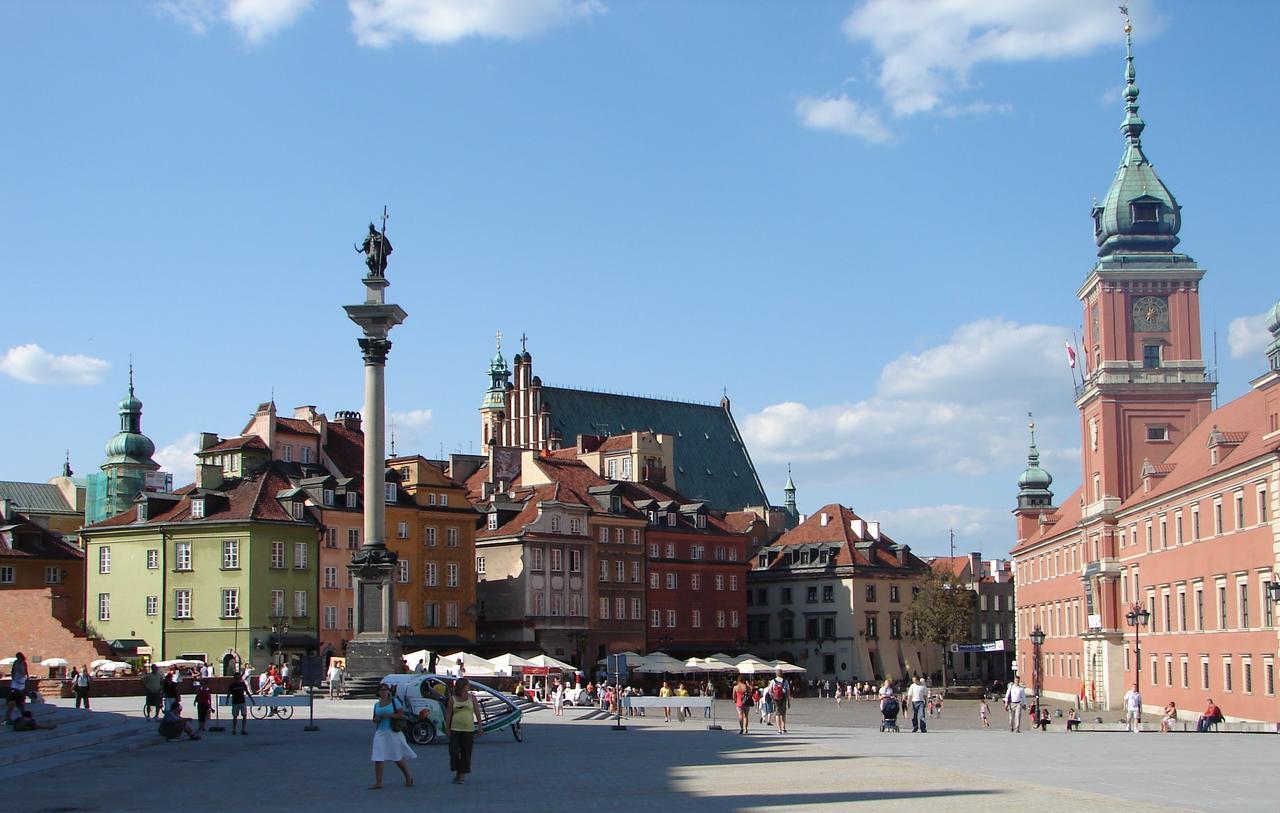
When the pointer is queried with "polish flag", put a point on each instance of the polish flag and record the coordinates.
(1071, 354)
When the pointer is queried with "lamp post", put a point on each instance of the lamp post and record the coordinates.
(279, 628)
(1037, 641)
(1138, 616)
(1273, 589)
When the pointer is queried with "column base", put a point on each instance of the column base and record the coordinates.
(368, 662)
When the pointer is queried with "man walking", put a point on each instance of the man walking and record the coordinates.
(1015, 698)
(238, 693)
(1133, 709)
(335, 680)
(779, 697)
(918, 695)
(153, 689)
(80, 686)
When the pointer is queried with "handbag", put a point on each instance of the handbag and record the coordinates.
(398, 724)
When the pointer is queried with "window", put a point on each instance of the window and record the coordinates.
(620, 536)
(389, 492)
(1217, 517)
(828, 593)
(433, 574)
(299, 603)
(197, 508)
(330, 617)
(556, 557)
(1262, 504)
(734, 619)
(451, 537)
(1195, 522)
(871, 593)
(451, 574)
(720, 583)
(1227, 683)
(535, 559)
(1204, 673)
(6, 575)
(604, 535)
(327, 498)
(1157, 432)
(181, 603)
(402, 575)
(300, 556)
(671, 581)
(429, 534)
(733, 584)
(1183, 667)
(785, 593)
(1246, 675)
(480, 566)
(353, 538)
(620, 572)
(635, 536)
(286, 450)
(788, 628)
(575, 525)
(431, 614)
(893, 593)
(331, 537)
(444, 500)
(575, 561)
(696, 619)
(153, 605)
(104, 606)
(671, 618)
(671, 518)
(451, 614)
(653, 580)
(871, 625)
(181, 555)
(352, 502)
(1222, 606)
(671, 551)
(637, 611)
(604, 570)
(1199, 608)
(620, 608)
(604, 608)
(1244, 605)
(695, 551)
(655, 618)
(491, 523)
(52, 575)
(277, 603)
(555, 523)
(153, 558)
(1269, 676)
(104, 559)
(351, 618)
(575, 604)
(230, 603)
(695, 581)
(557, 604)
(635, 572)
(1150, 356)
(331, 578)
(402, 530)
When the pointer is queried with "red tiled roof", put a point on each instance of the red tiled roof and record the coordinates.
(839, 530)
(295, 426)
(242, 442)
(1244, 418)
(741, 521)
(952, 565)
(616, 443)
(249, 498)
(31, 541)
(1061, 521)
(345, 447)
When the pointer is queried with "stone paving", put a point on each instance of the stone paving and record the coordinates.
(831, 760)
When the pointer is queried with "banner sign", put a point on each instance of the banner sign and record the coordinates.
(985, 646)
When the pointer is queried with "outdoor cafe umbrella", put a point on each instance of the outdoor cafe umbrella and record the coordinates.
(507, 664)
(54, 663)
(94, 664)
(716, 664)
(787, 668)
(660, 662)
(750, 666)
(471, 664)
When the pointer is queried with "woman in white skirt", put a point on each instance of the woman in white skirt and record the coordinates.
(388, 745)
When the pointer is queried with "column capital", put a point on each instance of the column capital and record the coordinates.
(375, 351)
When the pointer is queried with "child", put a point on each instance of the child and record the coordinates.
(985, 714)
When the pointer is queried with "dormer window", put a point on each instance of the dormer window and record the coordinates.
(351, 499)
(197, 508)
(653, 517)
(304, 454)
(328, 496)
(492, 523)
(701, 520)
(1157, 432)
(671, 518)
(1097, 220)
(1145, 211)
(142, 511)
(299, 510)
(615, 504)
(389, 491)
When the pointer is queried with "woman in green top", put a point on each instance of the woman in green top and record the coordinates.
(462, 721)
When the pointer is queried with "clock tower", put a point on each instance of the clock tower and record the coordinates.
(1145, 383)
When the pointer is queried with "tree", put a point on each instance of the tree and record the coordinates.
(941, 613)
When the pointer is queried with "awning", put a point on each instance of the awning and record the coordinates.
(137, 646)
(297, 640)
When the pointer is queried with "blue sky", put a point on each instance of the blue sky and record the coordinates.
(867, 220)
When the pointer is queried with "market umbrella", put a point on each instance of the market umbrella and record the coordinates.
(659, 662)
(737, 659)
(714, 664)
(696, 664)
(54, 663)
(471, 664)
(507, 664)
(787, 668)
(412, 659)
(750, 666)
(94, 664)
(8, 661)
(181, 663)
(548, 662)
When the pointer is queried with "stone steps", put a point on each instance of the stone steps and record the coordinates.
(80, 735)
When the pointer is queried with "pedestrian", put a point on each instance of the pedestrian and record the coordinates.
(174, 725)
(665, 691)
(916, 694)
(779, 697)
(170, 688)
(204, 703)
(1015, 699)
(710, 691)
(18, 682)
(237, 694)
(557, 699)
(743, 702)
(462, 721)
(153, 691)
(1133, 709)
(682, 712)
(1170, 717)
(984, 713)
(766, 705)
(80, 686)
(937, 706)
(335, 680)
(388, 738)
(285, 672)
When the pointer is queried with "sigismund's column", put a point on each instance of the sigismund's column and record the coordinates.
(374, 651)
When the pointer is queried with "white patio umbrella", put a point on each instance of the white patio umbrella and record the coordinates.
(787, 668)
(508, 664)
(94, 664)
(751, 666)
(112, 666)
(54, 663)
(737, 659)
(696, 664)
(412, 659)
(659, 662)
(181, 663)
(720, 656)
(714, 664)
(471, 664)
(548, 662)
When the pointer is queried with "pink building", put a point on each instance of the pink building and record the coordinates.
(1176, 515)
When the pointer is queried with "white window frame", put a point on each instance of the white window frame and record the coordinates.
(451, 577)
(300, 604)
(152, 606)
(153, 558)
(182, 557)
(182, 603)
(104, 606)
(230, 602)
(301, 556)
(231, 554)
(104, 559)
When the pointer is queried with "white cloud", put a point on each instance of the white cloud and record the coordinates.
(928, 48)
(380, 23)
(957, 409)
(843, 115)
(35, 365)
(410, 426)
(1248, 336)
(255, 20)
(926, 528)
(178, 458)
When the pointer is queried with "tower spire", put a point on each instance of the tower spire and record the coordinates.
(1133, 123)
(1033, 484)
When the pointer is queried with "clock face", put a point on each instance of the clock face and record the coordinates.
(1151, 313)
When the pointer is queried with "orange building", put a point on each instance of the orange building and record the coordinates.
(1175, 523)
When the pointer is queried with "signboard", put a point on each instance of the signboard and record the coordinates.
(985, 646)
(617, 666)
(161, 481)
(1095, 622)
(312, 670)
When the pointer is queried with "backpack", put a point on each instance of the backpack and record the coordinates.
(776, 692)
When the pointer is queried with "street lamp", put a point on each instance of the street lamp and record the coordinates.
(1138, 616)
(1037, 641)
(279, 629)
(1273, 590)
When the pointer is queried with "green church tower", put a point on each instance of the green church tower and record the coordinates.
(129, 460)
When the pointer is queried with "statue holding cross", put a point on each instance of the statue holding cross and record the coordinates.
(376, 248)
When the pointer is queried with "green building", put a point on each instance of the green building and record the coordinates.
(222, 571)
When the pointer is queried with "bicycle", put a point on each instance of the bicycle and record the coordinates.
(262, 711)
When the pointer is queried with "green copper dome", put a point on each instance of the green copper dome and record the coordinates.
(1034, 482)
(1139, 213)
(496, 396)
(129, 446)
(1273, 319)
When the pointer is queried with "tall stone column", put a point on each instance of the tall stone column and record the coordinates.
(374, 651)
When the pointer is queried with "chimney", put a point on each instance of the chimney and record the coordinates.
(859, 528)
(208, 439)
(208, 476)
(349, 420)
(901, 552)
(825, 519)
(975, 566)
(873, 529)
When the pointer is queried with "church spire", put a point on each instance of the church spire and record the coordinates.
(1033, 484)
(1133, 123)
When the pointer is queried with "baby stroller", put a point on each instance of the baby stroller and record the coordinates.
(889, 708)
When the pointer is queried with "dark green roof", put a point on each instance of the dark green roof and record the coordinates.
(712, 463)
(36, 498)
